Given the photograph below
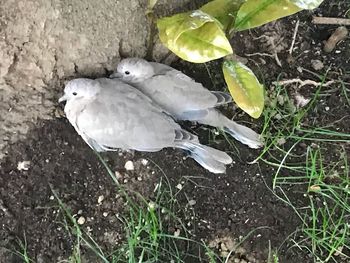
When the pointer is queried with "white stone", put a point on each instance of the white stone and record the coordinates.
(118, 175)
(129, 166)
(100, 199)
(177, 233)
(192, 202)
(23, 166)
(144, 162)
(317, 64)
(81, 220)
(179, 186)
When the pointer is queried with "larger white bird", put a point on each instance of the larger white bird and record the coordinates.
(182, 97)
(110, 114)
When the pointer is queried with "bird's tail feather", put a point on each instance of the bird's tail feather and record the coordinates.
(243, 134)
(211, 159)
(222, 97)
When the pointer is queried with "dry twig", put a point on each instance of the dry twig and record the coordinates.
(330, 21)
(303, 82)
(338, 35)
(294, 37)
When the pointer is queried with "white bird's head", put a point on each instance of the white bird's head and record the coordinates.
(80, 88)
(133, 70)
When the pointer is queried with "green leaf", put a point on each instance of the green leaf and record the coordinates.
(223, 10)
(255, 13)
(307, 4)
(194, 36)
(244, 87)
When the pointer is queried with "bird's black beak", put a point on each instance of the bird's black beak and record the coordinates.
(116, 75)
(63, 98)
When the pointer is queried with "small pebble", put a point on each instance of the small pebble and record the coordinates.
(177, 233)
(118, 175)
(139, 178)
(317, 64)
(105, 214)
(100, 199)
(327, 108)
(314, 188)
(192, 202)
(300, 100)
(81, 220)
(144, 162)
(281, 141)
(52, 197)
(151, 205)
(23, 166)
(129, 166)
(314, 145)
(179, 186)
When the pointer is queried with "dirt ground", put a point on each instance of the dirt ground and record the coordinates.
(226, 206)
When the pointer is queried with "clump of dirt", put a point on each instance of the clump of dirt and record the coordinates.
(221, 209)
(59, 159)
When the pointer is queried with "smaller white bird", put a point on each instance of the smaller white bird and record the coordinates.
(182, 97)
(110, 114)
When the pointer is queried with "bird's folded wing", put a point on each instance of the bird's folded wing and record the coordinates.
(182, 91)
(127, 120)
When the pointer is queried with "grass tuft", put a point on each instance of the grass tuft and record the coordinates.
(298, 153)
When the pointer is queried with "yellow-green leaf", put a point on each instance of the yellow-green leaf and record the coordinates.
(194, 36)
(223, 10)
(255, 13)
(307, 4)
(244, 87)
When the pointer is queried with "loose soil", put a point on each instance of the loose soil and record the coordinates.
(226, 207)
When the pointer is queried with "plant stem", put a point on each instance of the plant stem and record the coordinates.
(152, 33)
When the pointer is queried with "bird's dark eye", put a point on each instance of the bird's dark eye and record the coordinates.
(127, 72)
(75, 94)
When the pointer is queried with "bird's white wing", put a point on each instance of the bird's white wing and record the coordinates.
(122, 117)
